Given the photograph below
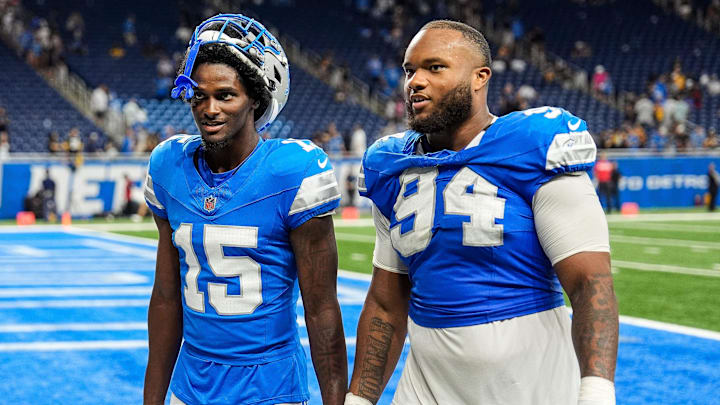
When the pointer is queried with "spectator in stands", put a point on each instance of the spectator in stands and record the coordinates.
(128, 144)
(601, 82)
(711, 141)
(93, 143)
(581, 50)
(4, 121)
(682, 138)
(508, 100)
(54, 144)
(100, 102)
(658, 138)
(677, 78)
(334, 145)
(681, 110)
(644, 111)
(129, 34)
(111, 150)
(358, 141)
(133, 113)
(75, 24)
(713, 182)
(659, 90)
(697, 136)
(74, 146)
(4, 145)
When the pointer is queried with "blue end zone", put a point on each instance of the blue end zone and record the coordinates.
(73, 307)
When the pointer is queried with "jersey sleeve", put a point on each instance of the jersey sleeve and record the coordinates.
(384, 255)
(155, 195)
(571, 148)
(318, 192)
(552, 141)
(373, 182)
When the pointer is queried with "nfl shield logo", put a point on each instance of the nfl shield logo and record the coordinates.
(210, 203)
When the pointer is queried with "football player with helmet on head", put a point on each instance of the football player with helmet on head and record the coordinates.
(242, 222)
(481, 222)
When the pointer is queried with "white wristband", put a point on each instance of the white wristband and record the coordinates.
(596, 391)
(352, 399)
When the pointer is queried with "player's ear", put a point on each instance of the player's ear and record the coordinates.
(481, 77)
(255, 105)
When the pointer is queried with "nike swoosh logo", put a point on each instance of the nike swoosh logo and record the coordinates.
(575, 126)
(323, 163)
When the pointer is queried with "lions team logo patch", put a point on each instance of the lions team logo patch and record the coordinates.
(210, 203)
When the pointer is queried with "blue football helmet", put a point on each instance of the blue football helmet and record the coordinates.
(255, 46)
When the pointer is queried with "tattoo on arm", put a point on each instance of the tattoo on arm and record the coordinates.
(328, 363)
(376, 358)
(316, 258)
(595, 327)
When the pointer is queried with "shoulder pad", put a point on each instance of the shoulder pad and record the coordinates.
(375, 155)
(290, 161)
(170, 153)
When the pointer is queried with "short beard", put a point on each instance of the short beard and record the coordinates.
(213, 147)
(450, 112)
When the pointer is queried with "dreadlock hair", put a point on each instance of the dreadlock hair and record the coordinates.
(253, 82)
(472, 35)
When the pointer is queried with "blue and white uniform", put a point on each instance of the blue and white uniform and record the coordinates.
(238, 272)
(462, 225)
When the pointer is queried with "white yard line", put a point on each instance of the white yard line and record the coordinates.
(667, 227)
(73, 345)
(351, 237)
(664, 268)
(686, 216)
(30, 304)
(668, 327)
(74, 292)
(665, 242)
(73, 326)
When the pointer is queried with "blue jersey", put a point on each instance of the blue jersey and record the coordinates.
(462, 221)
(238, 272)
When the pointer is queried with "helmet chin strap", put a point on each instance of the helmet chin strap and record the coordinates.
(183, 81)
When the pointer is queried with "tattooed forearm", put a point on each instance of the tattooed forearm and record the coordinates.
(595, 326)
(330, 360)
(375, 360)
(316, 258)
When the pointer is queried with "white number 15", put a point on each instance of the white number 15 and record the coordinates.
(247, 270)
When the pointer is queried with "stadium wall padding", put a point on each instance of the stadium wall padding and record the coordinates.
(98, 187)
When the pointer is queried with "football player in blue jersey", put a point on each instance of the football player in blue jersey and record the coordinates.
(241, 220)
(481, 222)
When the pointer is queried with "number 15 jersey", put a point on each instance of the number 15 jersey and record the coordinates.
(462, 222)
(237, 266)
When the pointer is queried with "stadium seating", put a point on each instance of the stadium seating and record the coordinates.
(342, 37)
(643, 41)
(34, 108)
(310, 107)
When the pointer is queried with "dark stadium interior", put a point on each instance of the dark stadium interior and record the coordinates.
(133, 48)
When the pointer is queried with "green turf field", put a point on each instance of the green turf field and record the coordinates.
(665, 269)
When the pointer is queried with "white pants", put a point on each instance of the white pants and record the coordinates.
(176, 401)
(529, 360)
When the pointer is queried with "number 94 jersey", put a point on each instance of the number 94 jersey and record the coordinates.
(462, 222)
(237, 266)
